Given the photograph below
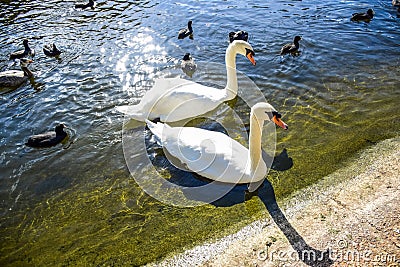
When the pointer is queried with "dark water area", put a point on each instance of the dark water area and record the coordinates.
(77, 203)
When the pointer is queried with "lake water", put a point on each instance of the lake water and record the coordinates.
(78, 204)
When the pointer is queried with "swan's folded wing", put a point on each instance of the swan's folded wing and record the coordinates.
(162, 86)
(188, 144)
(210, 154)
(188, 101)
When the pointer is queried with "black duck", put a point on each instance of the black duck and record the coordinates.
(291, 48)
(14, 78)
(188, 66)
(48, 139)
(239, 35)
(363, 16)
(85, 5)
(183, 33)
(51, 50)
(23, 53)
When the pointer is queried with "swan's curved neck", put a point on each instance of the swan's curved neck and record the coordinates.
(232, 84)
(255, 142)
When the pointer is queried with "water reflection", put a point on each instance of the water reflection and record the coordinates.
(147, 55)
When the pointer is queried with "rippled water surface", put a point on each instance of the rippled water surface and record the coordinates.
(78, 204)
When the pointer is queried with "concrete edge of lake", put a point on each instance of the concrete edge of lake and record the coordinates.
(351, 216)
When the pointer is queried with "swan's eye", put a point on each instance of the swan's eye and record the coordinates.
(251, 52)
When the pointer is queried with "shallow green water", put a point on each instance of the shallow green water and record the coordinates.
(81, 206)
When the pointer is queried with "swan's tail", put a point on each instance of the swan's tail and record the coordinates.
(157, 130)
(133, 111)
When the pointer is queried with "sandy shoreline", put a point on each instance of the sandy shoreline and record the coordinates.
(349, 218)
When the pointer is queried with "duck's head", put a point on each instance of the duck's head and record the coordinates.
(297, 38)
(55, 48)
(59, 128)
(24, 62)
(187, 56)
(25, 42)
(240, 35)
(245, 49)
(265, 111)
(370, 12)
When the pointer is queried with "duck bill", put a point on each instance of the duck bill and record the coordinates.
(251, 58)
(280, 123)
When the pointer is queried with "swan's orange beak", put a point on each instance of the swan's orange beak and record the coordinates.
(279, 122)
(251, 58)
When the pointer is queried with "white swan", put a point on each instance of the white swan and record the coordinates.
(215, 155)
(177, 99)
